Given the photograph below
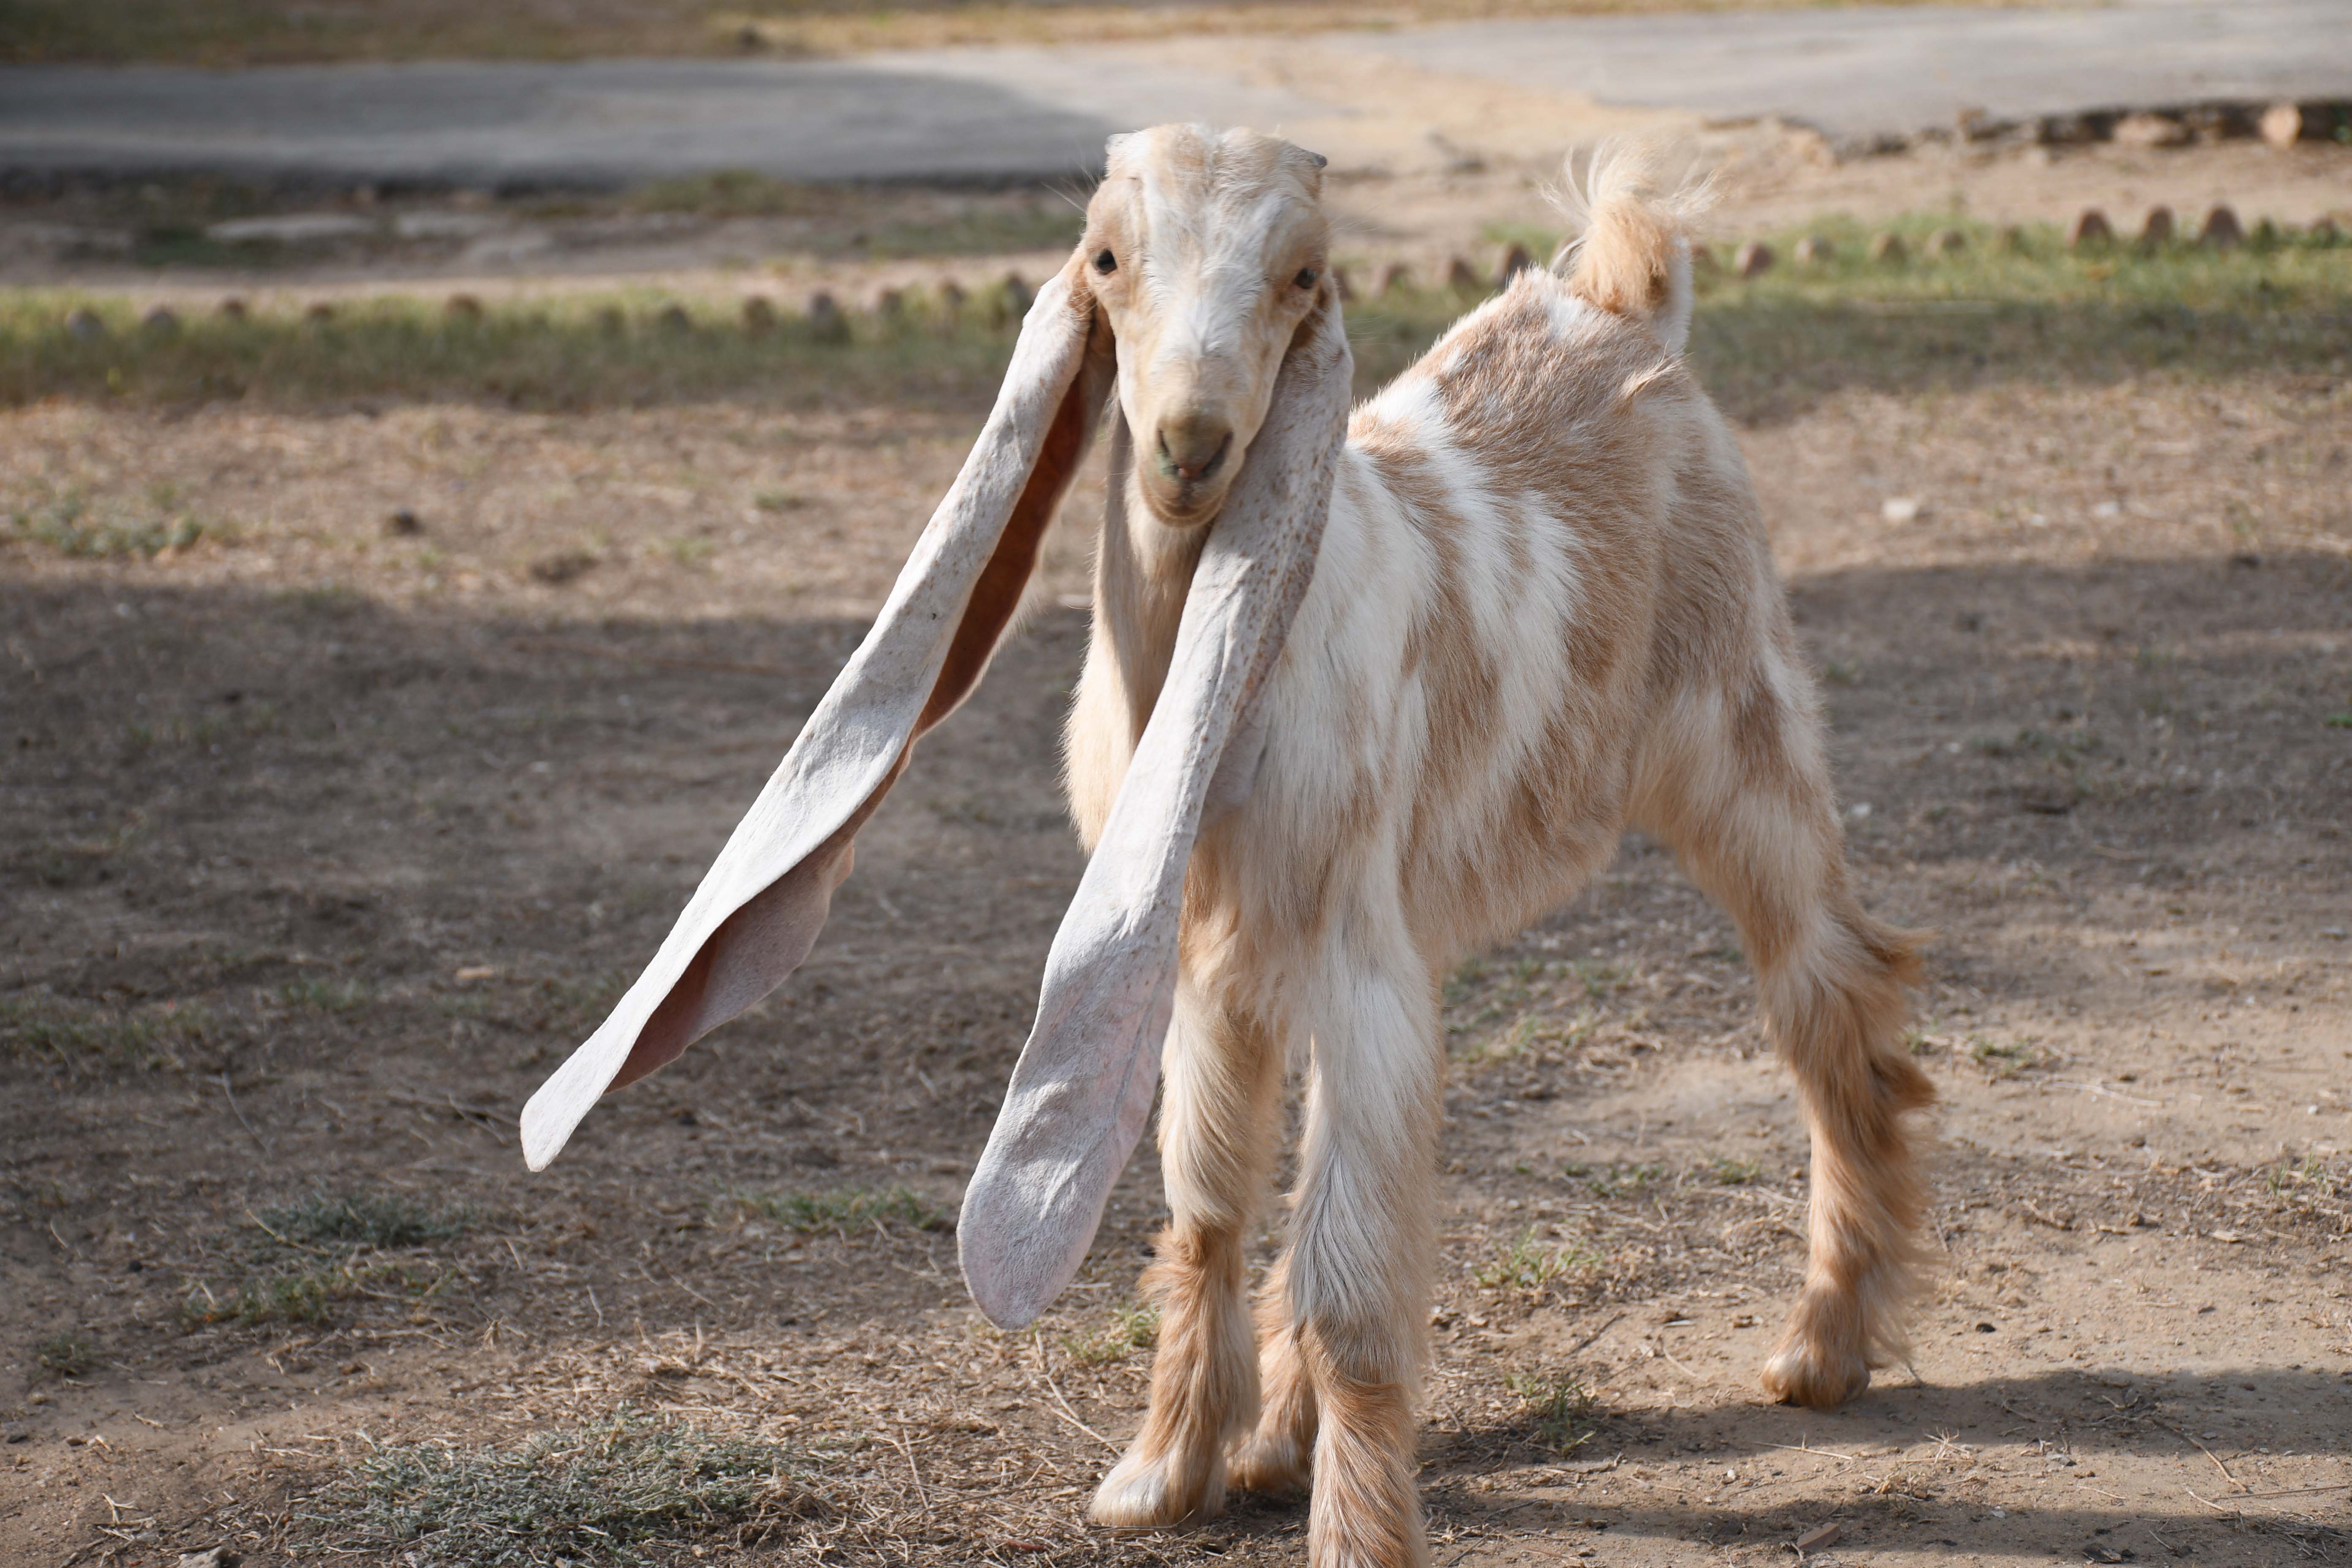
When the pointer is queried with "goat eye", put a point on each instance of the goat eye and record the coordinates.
(1306, 278)
(1106, 263)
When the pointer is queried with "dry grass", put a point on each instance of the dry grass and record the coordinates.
(259, 32)
(589, 1495)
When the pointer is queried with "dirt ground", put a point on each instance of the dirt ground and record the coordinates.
(328, 836)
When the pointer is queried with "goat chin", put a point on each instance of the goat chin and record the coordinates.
(1544, 612)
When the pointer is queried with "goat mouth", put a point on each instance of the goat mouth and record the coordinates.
(1179, 504)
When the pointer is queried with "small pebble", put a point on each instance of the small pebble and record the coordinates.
(1900, 509)
(2151, 131)
(404, 524)
(1754, 258)
(2281, 125)
(2156, 228)
(2221, 231)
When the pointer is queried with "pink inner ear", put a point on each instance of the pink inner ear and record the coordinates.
(759, 907)
(754, 951)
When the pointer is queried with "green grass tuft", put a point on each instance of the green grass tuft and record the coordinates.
(368, 1219)
(845, 1212)
(1130, 1329)
(1560, 1406)
(69, 1353)
(1524, 1265)
(590, 1495)
(83, 1038)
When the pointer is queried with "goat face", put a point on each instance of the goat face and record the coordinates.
(1205, 255)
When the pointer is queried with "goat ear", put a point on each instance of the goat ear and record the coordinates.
(1082, 1090)
(763, 901)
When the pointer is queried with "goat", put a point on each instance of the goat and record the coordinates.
(1363, 692)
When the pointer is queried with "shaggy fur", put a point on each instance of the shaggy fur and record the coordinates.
(1544, 612)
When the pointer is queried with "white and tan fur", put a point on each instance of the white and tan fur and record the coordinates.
(1368, 733)
(1544, 612)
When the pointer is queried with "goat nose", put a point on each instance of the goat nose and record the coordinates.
(1193, 445)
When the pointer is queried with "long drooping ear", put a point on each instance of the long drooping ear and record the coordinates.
(760, 906)
(1082, 1090)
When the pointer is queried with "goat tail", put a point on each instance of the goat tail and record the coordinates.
(1631, 255)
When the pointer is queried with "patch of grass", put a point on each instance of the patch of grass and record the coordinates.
(580, 351)
(2002, 1060)
(1764, 348)
(84, 1037)
(1560, 1406)
(69, 1353)
(1730, 1172)
(384, 1220)
(1130, 1329)
(326, 995)
(1602, 980)
(65, 525)
(592, 1494)
(1621, 1180)
(1524, 1265)
(1997, 311)
(845, 1212)
(298, 1296)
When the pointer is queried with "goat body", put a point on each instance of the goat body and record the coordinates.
(1544, 611)
(1387, 688)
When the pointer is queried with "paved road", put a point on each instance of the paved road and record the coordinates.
(1869, 71)
(1022, 112)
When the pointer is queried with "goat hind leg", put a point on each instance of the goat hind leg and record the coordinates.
(1837, 1004)
(1765, 847)
(1223, 1075)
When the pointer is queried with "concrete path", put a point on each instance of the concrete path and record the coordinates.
(1025, 113)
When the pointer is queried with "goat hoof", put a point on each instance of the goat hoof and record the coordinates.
(1269, 1466)
(1815, 1376)
(1147, 1491)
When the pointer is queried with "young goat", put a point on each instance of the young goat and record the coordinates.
(1403, 697)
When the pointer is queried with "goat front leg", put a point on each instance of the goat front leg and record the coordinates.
(1223, 1078)
(1357, 1273)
